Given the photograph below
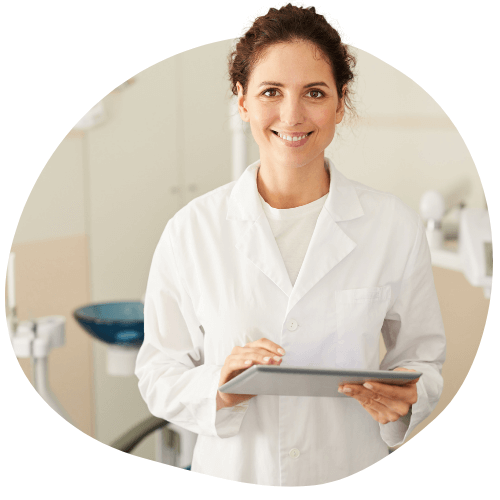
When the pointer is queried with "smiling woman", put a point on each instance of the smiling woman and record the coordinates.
(291, 265)
(292, 75)
(292, 107)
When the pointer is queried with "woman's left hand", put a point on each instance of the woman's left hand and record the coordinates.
(384, 402)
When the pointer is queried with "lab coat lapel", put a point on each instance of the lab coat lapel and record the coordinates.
(329, 244)
(257, 243)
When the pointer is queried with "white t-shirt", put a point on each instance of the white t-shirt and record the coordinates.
(293, 229)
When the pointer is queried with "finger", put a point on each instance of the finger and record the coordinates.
(236, 363)
(261, 351)
(384, 414)
(397, 406)
(253, 357)
(379, 417)
(238, 351)
(267, 344)
(406, 393)
(231, 369)
(356, 390)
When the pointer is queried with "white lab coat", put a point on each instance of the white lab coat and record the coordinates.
(217, 280)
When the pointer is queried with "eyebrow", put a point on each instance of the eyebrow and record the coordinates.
(314, 84)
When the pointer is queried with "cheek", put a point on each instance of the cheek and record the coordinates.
(261, 121)
(326, 119)
(266, 117)
(326, 123)
(263, 116)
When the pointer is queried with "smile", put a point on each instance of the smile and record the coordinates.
(297, 136)
(293, 139)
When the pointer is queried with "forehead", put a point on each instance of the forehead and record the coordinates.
(292, 63)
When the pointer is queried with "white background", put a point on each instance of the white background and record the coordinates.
(59, 58)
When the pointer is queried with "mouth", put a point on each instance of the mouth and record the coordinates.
(293, 139)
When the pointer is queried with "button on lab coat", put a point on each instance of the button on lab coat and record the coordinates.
(218, 280)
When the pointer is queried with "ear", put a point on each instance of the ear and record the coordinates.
(341, 107)
(242, 103)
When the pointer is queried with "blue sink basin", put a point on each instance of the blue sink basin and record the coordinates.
(116, 323)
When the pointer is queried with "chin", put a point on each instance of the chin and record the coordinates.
(294, 160)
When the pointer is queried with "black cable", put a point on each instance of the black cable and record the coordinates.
(128, 441)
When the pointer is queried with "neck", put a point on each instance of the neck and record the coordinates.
(287, 187)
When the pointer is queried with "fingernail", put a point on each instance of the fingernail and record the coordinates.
(346, 389)
(266, 359)
(281, 351)
(340, 389)
(277, 358)
(368, 386)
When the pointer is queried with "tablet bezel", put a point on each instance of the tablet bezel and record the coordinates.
(238, 383)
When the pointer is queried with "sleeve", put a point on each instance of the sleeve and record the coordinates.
(414, 336)
(174, 381)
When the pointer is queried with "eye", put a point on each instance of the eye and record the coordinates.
(315, 94)
(271, 92)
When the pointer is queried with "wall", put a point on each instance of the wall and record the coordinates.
(103, 199)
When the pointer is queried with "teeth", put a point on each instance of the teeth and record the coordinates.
(292, 139)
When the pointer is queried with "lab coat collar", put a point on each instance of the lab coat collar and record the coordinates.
(328, 246)
(342, 202)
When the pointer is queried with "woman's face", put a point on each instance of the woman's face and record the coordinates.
(291, 95)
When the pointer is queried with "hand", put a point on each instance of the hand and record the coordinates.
(384, 402)
(260, 352)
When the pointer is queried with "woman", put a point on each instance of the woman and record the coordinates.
(296, 265)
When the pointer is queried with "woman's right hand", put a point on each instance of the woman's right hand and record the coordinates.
(260, 352)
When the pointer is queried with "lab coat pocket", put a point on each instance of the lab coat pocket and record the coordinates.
(360, 315)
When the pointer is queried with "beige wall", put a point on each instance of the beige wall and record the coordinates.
(103, 199)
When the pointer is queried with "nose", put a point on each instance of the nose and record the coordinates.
(291, 111)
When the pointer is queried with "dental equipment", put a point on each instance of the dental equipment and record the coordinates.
(120, 325)
(35, 339)
(475, 248)
(474, 255)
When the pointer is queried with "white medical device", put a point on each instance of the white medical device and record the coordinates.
(474, 255)
(475, 247)
(432, 209)
(35, 339)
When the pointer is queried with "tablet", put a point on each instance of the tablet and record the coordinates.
(275, 380)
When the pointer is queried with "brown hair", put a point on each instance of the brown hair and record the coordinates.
(289, 24)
